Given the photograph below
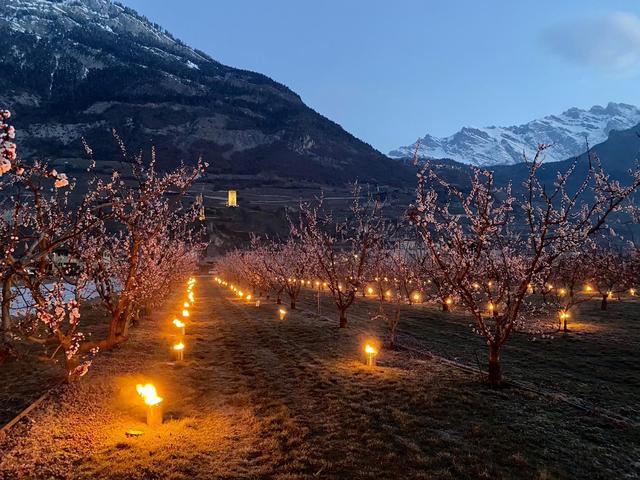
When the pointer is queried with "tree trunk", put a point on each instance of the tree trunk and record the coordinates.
(603, 304)
(278, 301)
(293, 304)
(6, 307)
(445, 306)
(495, 375)
(343, 318)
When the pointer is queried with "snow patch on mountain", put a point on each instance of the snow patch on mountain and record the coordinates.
(568, 133)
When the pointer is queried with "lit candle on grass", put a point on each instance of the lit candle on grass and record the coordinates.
(178, 324)
(154, 403)
(371, 353)
(178, 351)
(283, 313)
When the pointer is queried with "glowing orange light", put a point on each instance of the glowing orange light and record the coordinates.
(416, 297)
(186, 305)
(178, 323)
(185, 313)
(248, 297)
(448, 301)
(371, 354)
(148, 393)
(191, 297)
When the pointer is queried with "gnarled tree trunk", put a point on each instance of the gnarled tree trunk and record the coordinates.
(495, 374)
(343, 317)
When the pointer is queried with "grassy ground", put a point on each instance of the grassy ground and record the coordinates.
(25, 378)
(596, 361)
(263, 398)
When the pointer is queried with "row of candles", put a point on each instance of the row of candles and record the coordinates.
(148, 391)
(369, 350)
(282, 313)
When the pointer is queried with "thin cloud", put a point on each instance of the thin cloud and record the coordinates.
(609, 43)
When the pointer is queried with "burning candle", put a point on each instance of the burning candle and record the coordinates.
(190, 297)
(283, 313)
(178, 351)
(153, 402)
(249, 298)
(185, 313)
(186, 305)
(371, 355)
(178, 324)
(416, 297)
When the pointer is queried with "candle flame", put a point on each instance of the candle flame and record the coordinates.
(185, 313)
(178, 346)
(370, 350)
(148, 393)
(178, 323)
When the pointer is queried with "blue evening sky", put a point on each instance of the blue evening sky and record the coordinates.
(391, 71)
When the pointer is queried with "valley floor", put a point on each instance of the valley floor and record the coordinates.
(257, 397)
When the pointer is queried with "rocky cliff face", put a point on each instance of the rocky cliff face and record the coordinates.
(77, 68)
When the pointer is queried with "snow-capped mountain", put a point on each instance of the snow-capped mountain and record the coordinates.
(567, 132)
(77, 68)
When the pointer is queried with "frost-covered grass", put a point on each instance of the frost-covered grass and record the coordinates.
(263, 398)
(596, 361)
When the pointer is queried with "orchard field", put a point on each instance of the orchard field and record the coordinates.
(260, 397)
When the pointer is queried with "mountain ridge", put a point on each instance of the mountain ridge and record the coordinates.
(77, 68)
(568, 132)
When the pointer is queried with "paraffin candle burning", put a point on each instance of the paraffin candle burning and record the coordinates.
(186, 304)
(153, 401)
(178, 351)
(191, 297)
(371, 355)
(185, 313)
(178, 324)
(283, 313)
